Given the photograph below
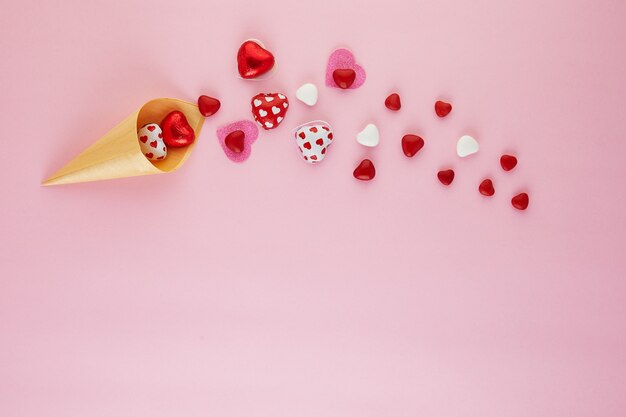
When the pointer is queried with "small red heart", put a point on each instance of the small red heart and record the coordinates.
(326, 128)
(411, 144)
(486, 188)
(442, 108)
(151, 128)
(144, 139)
(208, 106)
(330, 136)
(319, 142)
(520, 201)
(307, 145)
(235, 141)
(313, 129)
(253, 60)
(150, 155)
(160, 135)
(153, 144)
(176, 130)
(344, 78)
(161, 157)
(314, 157)
(323, 151)
(393, 102)
(365, 171)
(446, 176)
(508, 162)
(302, 135)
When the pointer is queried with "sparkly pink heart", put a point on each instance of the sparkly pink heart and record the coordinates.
(250, 131)
(344, 59)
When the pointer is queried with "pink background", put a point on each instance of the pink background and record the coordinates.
(274, 288)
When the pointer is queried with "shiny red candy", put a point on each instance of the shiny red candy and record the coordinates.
(344, 78)
(253, 60)
(446, 176)
(442, 108)
(520, 201)
(176, 130)
(486, 188)
(411, 144)
(235, 141)
(393, 102)
(365, 171)
(208, 106)
(269, 109)
(508, 162)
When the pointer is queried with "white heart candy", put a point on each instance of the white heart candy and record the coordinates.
(307, 94)
(262, 113)
(275, 110)
(466, 145)
(368, 136)
(257, 103)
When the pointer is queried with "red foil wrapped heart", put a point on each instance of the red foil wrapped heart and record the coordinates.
(177, 132)
(508, 162)
(208, 106)
(235, 141)
(365, 171)
(411, 144)
(520, 201)
(446, 176)
(253, 60)
(442, 108)
(393, 102)
(344, 78)
(486, 188)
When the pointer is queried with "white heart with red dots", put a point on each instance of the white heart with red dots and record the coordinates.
(314, 140)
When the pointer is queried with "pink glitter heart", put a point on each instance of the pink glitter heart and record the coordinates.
(344, 59)
(250, 132)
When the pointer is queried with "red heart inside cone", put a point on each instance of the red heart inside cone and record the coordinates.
(234, 141)
(411, 144)
(176, 130)
(365, 171)
(508, 162)
(393, 102)
(520, 201)
(446, 176)
(344, 78)
(253, 60)
(442, 108)
(486, 188)
(208, 106)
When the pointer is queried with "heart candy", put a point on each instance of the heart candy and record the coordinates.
(486, 188)
(446, 176)
(269, 109)
(508, 162)
(369, 136)
(253, 60)
(466, 146)
(314, 139)
(237, 138)
(151, 142)
(177, 132)
(442, 108)
(411, 144)
(342, 65)
(365, 171)
(307, 93)
(208, 106)
(520, 201)
(393, 102)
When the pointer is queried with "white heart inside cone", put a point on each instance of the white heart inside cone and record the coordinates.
(466, 146)
(307, 93)
(369, 136)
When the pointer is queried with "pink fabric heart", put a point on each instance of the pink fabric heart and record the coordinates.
(344, 59)
(250, 131)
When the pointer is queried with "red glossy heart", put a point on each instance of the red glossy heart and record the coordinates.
(393, 102)
(269, 109)
(176, 130)
(446, 176)
(442, 108)
(208, 106)
(508, 162)
(520, 201)
(235, 141)
(344, 78)
(253, 60)
(365, 171)
(411, 144)
(486, 188)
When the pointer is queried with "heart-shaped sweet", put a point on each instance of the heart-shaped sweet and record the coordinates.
(177, 132)
(393, 102)
(520, 201)
(442, 108)
(237, 138)
(466, 146)
(411, 144)
(208, 106)
(508, 162)
(269, 109)
(365, 171)
(369, 136)
(307, 93)
(253, 60)
(314, 139)
(342, 64)
(446, 176)
(151, 142)
(486, 188)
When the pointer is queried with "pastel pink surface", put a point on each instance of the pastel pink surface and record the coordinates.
(251, 133)
(344, 59)
(270, 289)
